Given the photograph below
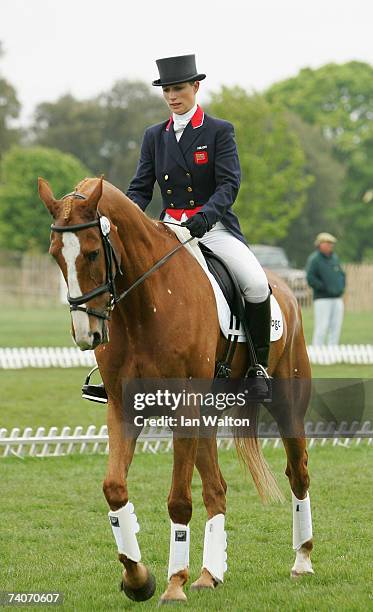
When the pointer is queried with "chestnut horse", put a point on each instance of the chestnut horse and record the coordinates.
(167, 327)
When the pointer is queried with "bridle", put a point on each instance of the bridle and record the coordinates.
(103, 224)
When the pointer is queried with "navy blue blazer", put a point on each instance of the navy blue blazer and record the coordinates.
(201, 170)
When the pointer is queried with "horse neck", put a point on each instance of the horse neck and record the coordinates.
(144, 243)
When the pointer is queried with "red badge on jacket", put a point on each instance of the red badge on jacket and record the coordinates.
(201, 157)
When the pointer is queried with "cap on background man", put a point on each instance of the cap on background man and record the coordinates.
(325, 237)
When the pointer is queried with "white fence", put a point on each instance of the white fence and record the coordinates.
(52, 443)
(63, 357)
(342, 353)
(46, 357)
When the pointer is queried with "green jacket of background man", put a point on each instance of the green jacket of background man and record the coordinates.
(325, 275)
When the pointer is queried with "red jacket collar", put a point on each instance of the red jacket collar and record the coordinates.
(198, 118)
(196, 121)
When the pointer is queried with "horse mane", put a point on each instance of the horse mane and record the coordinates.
(113, 200)
(110, 194)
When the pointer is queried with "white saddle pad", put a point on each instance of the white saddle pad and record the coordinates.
(224, 313)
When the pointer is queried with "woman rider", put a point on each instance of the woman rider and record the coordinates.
(194, 159)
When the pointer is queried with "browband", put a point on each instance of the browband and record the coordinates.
(75, 228)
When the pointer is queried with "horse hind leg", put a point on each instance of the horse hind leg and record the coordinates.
(297, 472)
(292, 395)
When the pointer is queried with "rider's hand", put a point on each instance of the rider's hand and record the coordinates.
(197, 225)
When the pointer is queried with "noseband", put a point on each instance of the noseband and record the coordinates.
(103, 224)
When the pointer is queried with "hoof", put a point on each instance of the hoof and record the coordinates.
(200, 585)
(143, 593)
(205, 581)
(173, 595)
(296, 575)
(165, 602)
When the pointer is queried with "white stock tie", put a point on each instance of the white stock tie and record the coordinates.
(181, 121)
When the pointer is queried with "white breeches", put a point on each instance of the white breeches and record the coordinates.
(243, 263)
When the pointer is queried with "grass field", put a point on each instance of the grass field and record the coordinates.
(51, 327)
(57, 536)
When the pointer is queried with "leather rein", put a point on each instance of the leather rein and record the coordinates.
(103, 223)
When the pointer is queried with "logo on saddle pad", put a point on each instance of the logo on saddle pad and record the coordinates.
(277, 324)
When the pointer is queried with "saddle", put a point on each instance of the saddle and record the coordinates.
(224, 277)
(232, 293)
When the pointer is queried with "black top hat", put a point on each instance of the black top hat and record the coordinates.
(179, 69)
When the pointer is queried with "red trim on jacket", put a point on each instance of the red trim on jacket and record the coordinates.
(177, 213)
(198, 118)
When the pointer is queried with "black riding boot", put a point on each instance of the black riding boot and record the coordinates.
(258, 318)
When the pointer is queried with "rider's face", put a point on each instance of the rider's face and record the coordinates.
(181, 97)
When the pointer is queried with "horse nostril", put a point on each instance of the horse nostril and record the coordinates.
(96, 338)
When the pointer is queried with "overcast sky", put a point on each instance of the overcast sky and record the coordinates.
(83, 46)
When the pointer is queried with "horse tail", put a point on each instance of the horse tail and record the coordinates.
(251, 456)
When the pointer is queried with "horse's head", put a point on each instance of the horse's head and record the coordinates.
(87, 248)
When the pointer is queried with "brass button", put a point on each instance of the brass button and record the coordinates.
(169, 191)
(188, 174)
(189, 189)
(166, 177)
(172, 205)
(191, 202)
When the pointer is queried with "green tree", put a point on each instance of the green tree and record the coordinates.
(9, 110)
(105, 133)
(24, 220)
(323, 194)
(274, 180)
(339, 98)
(74, 127)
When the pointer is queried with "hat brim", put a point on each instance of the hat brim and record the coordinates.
(193, 77)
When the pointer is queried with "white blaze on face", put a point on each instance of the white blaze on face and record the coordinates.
(70, 251)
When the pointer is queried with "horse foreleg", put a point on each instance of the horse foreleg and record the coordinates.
(137, 582)
(297, 472)
(214, 490)
(180, 511)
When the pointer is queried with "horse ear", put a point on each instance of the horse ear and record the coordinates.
(94, 198)
(46, 195)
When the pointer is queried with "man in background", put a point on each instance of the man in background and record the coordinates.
(327, 279)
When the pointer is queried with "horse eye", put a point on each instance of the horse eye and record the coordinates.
(93, 255)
